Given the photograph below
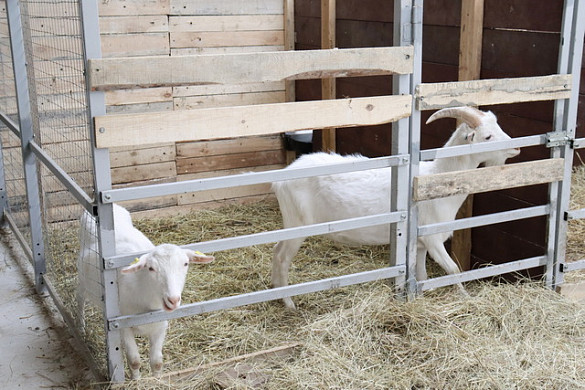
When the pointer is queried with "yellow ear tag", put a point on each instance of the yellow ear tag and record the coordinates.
(199, 253)
(136, 260)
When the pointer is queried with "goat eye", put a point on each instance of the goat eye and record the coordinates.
(151, 269)
(186, 264)
(488, 137)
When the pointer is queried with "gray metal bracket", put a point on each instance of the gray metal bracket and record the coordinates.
(556, 138)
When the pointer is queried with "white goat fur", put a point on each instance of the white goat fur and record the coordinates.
(349, 195)
(154, 282)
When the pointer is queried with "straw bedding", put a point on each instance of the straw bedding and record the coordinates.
(503, 336)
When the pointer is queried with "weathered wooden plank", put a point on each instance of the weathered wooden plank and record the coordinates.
(473, 181)
(142, 156)
(190, 51)
(328, 85)
(147, 44)
(229, 146)
(225, 23)
(230, 161)
(134, 7)
(204, 90)
(226, 7)
(129, 72)
(140, 108)
(143, 172)
(230, 122)
(495, 91)
(133, 24)
(226, 38)
(136, 96)
(225, 193)
(470, 48)
(228, 100)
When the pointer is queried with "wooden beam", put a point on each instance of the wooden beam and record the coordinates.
(473, 181)
(328, 88)
(470, 47)
(228, 122)
(133, 72)
(493, 91)
(289, 44)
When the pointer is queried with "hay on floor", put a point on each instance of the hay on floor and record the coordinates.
(503, 336)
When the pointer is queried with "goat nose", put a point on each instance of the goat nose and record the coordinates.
(174, 300)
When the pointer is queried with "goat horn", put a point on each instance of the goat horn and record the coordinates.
(469, 115)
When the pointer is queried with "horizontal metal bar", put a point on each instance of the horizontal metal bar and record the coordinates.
(155, 190)
(466, 223)
(574, 265)
(63, 177)
(461, 150)
(256, 297)
(579, 143)
(576, 214)
(19, 236)
(10, 124)
(275, 235)
(481, 273)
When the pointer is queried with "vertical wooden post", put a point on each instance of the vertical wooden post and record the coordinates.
(469, 69)
(328, 91)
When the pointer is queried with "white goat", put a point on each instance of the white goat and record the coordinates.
(155, 281)
(348, 195)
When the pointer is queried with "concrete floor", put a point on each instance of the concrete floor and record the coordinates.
(36, 351)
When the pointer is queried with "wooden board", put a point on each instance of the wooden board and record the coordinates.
(496, 91)
(133, 24)
(229, 146)
(226, 7)
(225, 23)
(473, 181)
(226, 38)
(143, 172)
(147, 44)
(137, 96)
(134, 7)
(203, 90)
(141, 156)
(251, 67)
(230, 122)
(226, 100)
(230, 161)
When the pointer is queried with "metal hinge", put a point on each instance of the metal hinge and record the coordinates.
(557, 138)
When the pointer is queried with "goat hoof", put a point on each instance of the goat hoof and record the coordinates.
(289, 304)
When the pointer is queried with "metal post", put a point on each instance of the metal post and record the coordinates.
(3, 194)
(570, 58)
(30, 165)
(102, 182)
(415, 127)
(400, 131)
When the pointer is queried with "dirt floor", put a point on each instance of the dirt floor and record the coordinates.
(37, 350)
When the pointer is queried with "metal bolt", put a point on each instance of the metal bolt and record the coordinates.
(108, 197)
(403, 216)
(115, 325)
(111, 263)
(102, 130)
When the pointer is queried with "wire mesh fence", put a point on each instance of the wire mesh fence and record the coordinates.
(17, 205)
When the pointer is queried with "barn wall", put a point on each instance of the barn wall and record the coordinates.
(184, 27)
(520, 38)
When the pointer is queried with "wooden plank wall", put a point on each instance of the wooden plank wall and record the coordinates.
(520, 39)
(186, 27)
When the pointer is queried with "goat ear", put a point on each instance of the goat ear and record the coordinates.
(198, 257)
(470, 136)
(136, 265)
